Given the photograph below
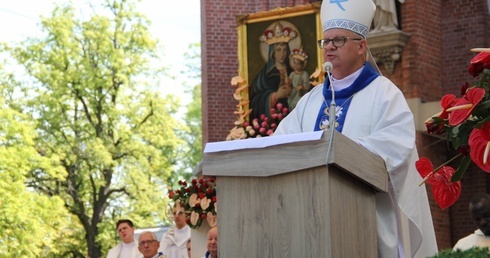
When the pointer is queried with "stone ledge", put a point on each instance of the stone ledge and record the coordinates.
(386, 47)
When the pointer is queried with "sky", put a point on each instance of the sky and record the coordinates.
(176, 28)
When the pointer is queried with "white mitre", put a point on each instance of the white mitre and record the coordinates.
(353, 15)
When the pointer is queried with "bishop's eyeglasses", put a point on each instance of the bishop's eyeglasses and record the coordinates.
(336, 42)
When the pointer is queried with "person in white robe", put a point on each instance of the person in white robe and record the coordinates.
(128, 248)
(480, 213)
(373, 112)
(174, 242)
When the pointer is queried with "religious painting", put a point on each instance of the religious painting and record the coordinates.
(277, 48)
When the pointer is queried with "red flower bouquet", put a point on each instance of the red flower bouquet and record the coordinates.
(198, 199)
(466, 122)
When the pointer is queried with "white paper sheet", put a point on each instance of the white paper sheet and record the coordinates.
(254, 143)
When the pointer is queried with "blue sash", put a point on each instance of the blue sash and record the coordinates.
(343, 98)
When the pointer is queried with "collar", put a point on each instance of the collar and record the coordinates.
(346, 81)
(127, 244)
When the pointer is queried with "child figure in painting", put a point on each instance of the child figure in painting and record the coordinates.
(300, 80)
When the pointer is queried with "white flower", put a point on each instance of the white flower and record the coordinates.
(205, 203)
(194, 218)
(211, 218)
(192, 199)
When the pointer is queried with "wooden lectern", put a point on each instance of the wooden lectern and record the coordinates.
(287, 201)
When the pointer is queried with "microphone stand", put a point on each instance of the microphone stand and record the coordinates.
(332, 110)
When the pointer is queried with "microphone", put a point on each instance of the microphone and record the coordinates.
(328, 66)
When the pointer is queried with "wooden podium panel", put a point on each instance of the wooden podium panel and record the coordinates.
(317, 211)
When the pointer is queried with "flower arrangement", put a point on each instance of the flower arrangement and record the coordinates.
(258, 127)
(198, 199)
(466, 123)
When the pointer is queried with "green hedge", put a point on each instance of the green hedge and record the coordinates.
(475, 252)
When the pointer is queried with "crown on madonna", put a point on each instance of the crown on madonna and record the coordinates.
(278, 35)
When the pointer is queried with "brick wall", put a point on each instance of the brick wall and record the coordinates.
(434, 62)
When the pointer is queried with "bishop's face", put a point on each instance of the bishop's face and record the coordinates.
(346, 51)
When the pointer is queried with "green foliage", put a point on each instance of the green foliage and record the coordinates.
(99, 142)
(193, 117)
(29, 223)
(475, 252)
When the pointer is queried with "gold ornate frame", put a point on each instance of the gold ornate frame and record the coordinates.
(306, 18)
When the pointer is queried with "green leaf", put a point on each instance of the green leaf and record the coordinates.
(465, 162)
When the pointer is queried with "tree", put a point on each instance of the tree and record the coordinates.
(193, 116)
(100, 117)
(29, 223)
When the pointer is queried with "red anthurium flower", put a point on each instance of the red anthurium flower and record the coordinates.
(478, 63)
(475, 69)
(463, 108)
(449, 100)
(425, 169)
(437, 127)
(479, 142)
(445, 192)
(482, 57)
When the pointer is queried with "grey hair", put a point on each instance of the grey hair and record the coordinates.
(148, 232)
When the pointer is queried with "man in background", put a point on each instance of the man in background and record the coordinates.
(127, 248)
(189, 249)
(148, 245)
(174, 241)
(212, 243)
(480, 213)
